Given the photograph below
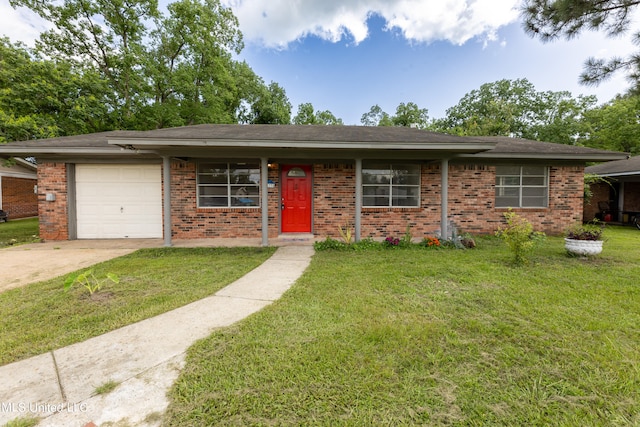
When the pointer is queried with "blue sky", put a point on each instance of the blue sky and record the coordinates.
(348, 55)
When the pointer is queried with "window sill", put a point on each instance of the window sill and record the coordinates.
(532, 209)
(227, 209)
(392, 209)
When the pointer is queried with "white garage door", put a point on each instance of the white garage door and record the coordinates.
(118, 201)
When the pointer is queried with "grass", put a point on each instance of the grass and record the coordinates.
(432, 337)
(107, 387)
(43, 316)
(19, 231)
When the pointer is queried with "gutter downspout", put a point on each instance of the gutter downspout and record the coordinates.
(166, 180)
(264, 191)
(444, 199)
(358, 214)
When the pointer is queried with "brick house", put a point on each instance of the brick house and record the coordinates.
(214, 180)
(18, 181)
(619, 198)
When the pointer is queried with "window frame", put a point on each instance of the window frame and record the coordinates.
(521, 186)
(230, 187)
(392, 167)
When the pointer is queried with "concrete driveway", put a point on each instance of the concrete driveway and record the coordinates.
(24, 264)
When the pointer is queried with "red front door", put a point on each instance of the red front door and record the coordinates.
(296, 198)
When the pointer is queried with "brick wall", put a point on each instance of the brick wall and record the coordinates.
(52, 178)
(333, 198)
(632, 196)
(18, 197)
(471, 204)
(190, 222)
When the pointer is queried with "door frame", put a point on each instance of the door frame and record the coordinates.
(285, 168)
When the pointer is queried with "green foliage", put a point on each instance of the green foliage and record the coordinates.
(308, 116)
(330, 244)
(614, 125)
(407, 115)
(514, 108)
(89, 281)
(588, 231)
(23, 422)
(107, 387)
(589, 180)
(126, 65)
(551, 19)
(519, 236)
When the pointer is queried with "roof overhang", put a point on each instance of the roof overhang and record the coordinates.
(316, 150)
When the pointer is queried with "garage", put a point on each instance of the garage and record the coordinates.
(115, 201)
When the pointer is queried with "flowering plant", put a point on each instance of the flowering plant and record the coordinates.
(392, 241)
(431, 242)
(591, 231)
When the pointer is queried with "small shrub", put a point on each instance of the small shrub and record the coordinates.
(367, 244)
(330, 244)
(519, 236)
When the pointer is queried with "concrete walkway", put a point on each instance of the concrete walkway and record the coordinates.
(144, 359)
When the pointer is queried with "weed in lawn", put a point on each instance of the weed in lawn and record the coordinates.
(107, 387)
(89, 281)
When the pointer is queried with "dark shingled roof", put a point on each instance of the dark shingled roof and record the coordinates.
(303, 137)
(630, 166)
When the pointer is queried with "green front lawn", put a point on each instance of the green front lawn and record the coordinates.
(432, 337)
(43, 316)
(18, 231)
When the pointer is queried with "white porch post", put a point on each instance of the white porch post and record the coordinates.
(357, 224)
(444, 195)
(166, 180)
(264, 192)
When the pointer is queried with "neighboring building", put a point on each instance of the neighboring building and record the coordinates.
(266, 180)
(18, 181)
(617, 199)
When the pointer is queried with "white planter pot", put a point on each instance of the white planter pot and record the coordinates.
(583, 247)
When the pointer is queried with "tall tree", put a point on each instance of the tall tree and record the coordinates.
(376, 117)
(515, 108)
(162, 70)
(191, 64)
(551, 19)
(42, 98)
(271, 105)
(409, 115)
(106, 33)
(308, 116)
(614, 125)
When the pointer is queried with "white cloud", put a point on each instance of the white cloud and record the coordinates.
(276, 23)
(21, 24)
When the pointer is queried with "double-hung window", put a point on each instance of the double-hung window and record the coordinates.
(390, 185)
(228, 185)
(522, 186)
